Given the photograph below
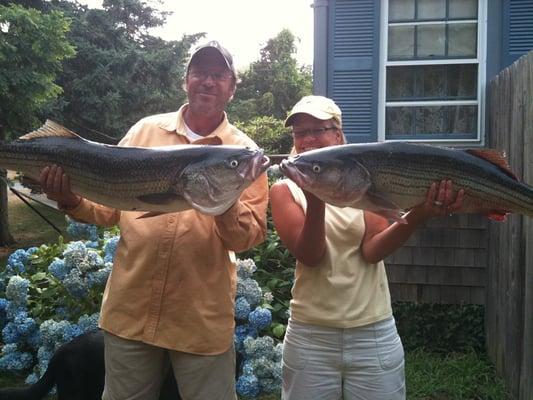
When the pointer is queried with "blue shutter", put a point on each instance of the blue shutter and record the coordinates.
(517, 28)
(353, 64)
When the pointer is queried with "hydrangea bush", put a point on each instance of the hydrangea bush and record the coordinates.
(51, 294)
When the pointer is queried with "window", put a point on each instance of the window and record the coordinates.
(431, 69)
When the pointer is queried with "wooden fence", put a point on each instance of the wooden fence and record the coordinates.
(509, 297)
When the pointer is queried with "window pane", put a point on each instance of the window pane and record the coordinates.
(462, 40)
(401, 42)
(462, 81)
(399, 121)
(431, 120)
(431, 9)
(463, 119)
(400, 83)
(401, 10)
(431, 83)
(463, 9)
(431, 40)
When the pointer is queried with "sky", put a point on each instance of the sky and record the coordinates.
(242, 26)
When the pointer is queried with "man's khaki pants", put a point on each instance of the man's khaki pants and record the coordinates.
(136, 370)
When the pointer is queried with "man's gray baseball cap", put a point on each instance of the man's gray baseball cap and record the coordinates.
(214, 46)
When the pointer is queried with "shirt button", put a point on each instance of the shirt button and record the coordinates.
(171, 220)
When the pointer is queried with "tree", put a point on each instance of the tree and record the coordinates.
(32, 46)
(120, 73)
(274, 83)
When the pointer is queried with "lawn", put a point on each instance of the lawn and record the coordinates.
(429, 376)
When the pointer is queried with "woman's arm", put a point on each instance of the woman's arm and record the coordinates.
(303, 234)
(381, 239)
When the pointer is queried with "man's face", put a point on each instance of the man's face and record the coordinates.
(209, 84)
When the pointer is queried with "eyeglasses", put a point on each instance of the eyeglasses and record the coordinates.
(314, 132)
(215, 76)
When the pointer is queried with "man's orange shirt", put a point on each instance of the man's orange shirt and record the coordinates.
(173, 281)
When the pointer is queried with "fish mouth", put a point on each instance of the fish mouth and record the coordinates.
(258, 165)
(291, 171)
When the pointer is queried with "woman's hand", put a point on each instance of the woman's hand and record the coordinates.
(440, 201)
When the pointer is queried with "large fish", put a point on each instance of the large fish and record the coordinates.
(155, 179)
(389, 178)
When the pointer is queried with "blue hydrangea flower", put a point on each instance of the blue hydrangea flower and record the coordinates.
(58, 268)
(75, 254)
(17, 290)
(98, 278)
(78, 230)
(278, 352)
(18, 256)
(44, 355)
(14, 360)
(88, 323)
(110, 248)
(242, 308)
(262, 346)
(75, 284)
(25, 325)
(242, 332)
(260, 318)
(70, 332)
(52, 332)
(10, 333)
(3, 311)
(249, 288)
(262, 366)
(245, 268)
(248, 386)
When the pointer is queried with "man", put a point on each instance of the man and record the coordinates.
(171, 292)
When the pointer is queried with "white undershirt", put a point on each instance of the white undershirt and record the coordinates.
(193, 136)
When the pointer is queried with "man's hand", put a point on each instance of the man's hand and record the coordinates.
(56, 186)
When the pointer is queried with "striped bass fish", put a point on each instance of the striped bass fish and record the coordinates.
(153, 179)
(390, 178)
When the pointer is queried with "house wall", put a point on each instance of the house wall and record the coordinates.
(446, 260)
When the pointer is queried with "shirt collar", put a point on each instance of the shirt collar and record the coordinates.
(175, 123)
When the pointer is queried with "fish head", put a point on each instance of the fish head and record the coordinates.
(328, 174)
(215, 182)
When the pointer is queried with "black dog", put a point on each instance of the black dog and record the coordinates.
(77, 369)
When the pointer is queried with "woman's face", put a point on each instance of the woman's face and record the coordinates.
(310, 133)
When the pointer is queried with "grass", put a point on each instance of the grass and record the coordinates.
(453, 376)
(429, 376)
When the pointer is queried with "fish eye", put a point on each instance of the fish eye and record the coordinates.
(233, 163)
(316, 168)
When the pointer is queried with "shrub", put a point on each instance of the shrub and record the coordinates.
(51, 294)
(269, 133)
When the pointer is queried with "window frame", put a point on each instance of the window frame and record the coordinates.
(480, 60)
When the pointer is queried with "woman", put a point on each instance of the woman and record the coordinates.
(341, 341)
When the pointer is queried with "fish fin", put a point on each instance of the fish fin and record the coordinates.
(495, 157)
(381, 202)
(51, 129)
(497, 215)
(151, 214)
(385, 207)
(209, 140)
(159, 198)
(394, 215)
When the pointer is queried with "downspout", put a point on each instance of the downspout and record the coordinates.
(320, 48)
